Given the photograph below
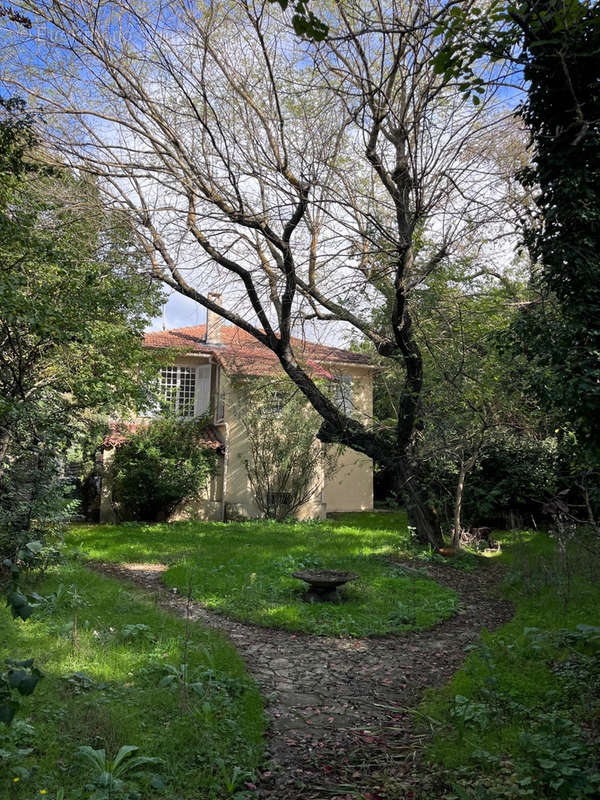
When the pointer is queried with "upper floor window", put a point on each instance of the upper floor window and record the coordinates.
(186, 390)
(178, 389)
(342, 393)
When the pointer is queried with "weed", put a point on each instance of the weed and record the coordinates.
(107, 775)
(515, 711)
(136, 632)
(105, 695)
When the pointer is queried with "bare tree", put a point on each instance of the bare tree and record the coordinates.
(286, 467)
(301, 178)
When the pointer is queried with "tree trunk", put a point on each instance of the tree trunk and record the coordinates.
(422, 517)
(4, 442)
(457, 527)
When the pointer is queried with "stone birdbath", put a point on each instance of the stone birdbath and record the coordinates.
(323, 583)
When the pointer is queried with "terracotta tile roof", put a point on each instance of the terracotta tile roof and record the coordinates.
(241, 353)
(120, 431)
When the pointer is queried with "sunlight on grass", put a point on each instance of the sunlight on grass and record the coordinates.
(101, 689)
(244, 570)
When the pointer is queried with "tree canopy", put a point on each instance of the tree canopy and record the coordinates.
(73, 307)
(307, 180)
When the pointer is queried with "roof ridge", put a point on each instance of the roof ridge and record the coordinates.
(240, 352)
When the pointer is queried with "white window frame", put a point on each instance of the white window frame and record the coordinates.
(199, 403)
(343, 390)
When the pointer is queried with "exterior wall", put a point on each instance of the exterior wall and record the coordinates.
(350, 486)
(239, 499)
(209, 506)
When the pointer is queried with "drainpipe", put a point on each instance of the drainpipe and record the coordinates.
(225, 465)
(225, 425)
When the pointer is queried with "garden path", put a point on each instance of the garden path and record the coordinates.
(339, 709)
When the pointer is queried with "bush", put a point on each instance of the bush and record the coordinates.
(515, 474)
(285, 464)
(160, 465)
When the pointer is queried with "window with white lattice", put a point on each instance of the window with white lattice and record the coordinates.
(178, 389)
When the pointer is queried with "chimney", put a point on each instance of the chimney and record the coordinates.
(213, 321)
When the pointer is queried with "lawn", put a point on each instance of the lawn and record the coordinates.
(521, 718)
(244, 570)
(104, 649)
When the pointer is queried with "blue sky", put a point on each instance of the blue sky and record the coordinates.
(179, 312)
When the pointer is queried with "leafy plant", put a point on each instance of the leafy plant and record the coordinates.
(79, 682)
(15, 748)
(21, 677)
(201, 682)
(159, 466)
(232, 777)
(557, 759)
(64, 597)
(108, 774)
(136, 632)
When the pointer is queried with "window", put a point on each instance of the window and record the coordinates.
(278, 499)
(178, 389)
(342, 393)
(274, 404)
(186, 390)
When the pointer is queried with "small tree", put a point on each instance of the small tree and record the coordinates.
(160, 465)
(286, 464)
(73, 307)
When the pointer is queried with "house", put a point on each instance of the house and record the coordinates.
(203, 381)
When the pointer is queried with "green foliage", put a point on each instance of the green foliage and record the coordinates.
(244, 570)
(105, 692)
(108, 774)
(74, 304)
(305, 23)
(555, 44)
(285, 463)
(515, 719)
(73, 308)
(15, 748)
(517, 471)
(562, 111)
(21, 677)
(472, 37)
(158, 467)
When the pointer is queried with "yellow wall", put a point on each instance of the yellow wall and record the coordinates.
(348, 488)
(239, 499)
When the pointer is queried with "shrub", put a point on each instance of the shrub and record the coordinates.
(160, 465)
(285, 463)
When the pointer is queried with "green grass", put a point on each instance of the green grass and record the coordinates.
(528, 696)
(121, 703)
(244, 570)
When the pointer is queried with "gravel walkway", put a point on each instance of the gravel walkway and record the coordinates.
(339, 722)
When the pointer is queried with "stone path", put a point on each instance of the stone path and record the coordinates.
(340, 725)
